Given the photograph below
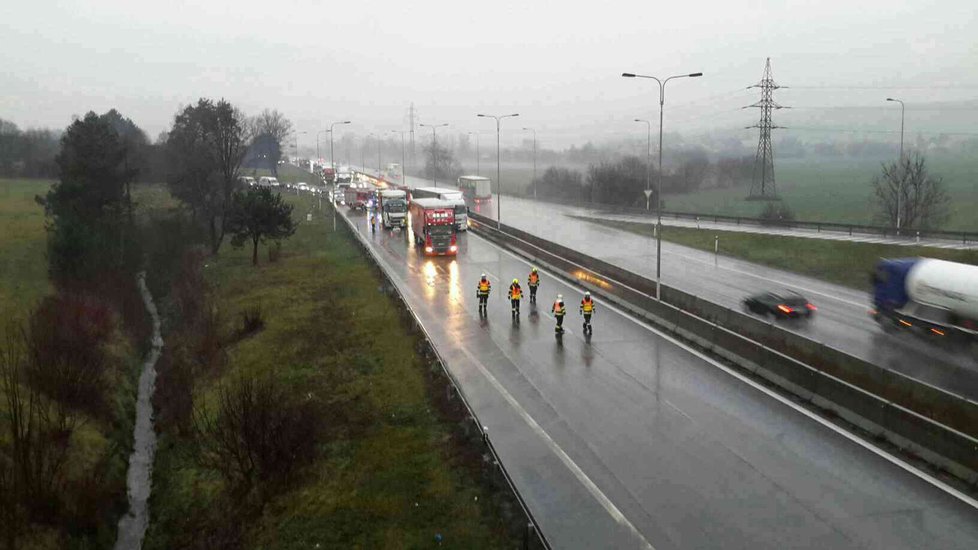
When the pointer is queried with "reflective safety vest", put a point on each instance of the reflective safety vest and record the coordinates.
(587, 306)
(515, 292)
(484, 287)
(534, 279)
(558, 309)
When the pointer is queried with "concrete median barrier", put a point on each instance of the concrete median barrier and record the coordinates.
(934, 424)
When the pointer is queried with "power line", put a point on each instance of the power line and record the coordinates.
(856, 131)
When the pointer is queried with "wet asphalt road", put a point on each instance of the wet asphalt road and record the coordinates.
(630, 440)
(842, 320)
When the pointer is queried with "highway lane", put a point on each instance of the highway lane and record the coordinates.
(826, 235)
(631, 439)
(842, 320)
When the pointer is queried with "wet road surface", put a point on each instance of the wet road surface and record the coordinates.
(842, 320)
(630, 440)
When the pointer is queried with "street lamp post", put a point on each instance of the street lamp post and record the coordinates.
(363, 148)
(332, 162)
(477, 154)
(534, 160)
(434, 150)
(319, 133)
(903, 111)
(648, 165)
(402, 132)
(332, 165)
(499, 186)
(658, 191)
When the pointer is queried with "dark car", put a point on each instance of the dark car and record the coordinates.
(785, 304)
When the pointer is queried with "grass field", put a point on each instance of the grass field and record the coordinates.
(23, 244)
(836, 191)
(841, 262)
(839, 192)
(330, 332)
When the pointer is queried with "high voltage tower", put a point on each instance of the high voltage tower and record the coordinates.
(763, 189)
(411, 123)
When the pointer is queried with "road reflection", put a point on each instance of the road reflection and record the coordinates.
(430, 274)
(454, 284)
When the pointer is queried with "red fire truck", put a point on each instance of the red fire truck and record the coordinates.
(359, 198)
(433, 225)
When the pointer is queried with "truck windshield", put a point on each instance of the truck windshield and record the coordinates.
(395, 207)
(439, 230)
(460, 209)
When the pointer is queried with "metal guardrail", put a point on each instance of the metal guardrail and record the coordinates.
(531, 528)
(938, 426)
(851, 228)
(964, 237)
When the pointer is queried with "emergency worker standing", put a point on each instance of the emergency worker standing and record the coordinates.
(587, 310)
(482, 292)
(533, 281)
(559, 311)
(515, 293)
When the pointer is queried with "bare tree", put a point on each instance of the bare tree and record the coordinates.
(205, 148)
(276, 127)
(921, 197)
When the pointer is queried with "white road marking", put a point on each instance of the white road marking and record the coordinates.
(595, 491)
(785, 401)
(592, 488)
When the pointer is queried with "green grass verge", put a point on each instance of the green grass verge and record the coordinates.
(394, 483)
(841, 262)
(23, 245)
(815, 189)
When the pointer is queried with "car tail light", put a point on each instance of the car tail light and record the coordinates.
(785, 309)
(453, 248)
(906, 323)
(937, 332)
(811, 307)
(428, 249)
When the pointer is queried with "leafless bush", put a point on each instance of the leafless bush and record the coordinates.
(274, 251)
(252, 321)
(65, 342)
(259, 434)
(34, 449)
(173, 398)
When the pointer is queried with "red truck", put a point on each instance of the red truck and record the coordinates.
(359, 198)
(329, 175)
(433, 225)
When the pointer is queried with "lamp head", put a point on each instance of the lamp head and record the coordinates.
(628, 75)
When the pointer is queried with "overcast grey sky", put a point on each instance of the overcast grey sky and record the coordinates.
(557, 63)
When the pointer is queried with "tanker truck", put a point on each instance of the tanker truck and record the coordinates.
(934, 297)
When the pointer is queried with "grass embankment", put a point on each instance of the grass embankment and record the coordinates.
(842, 262)
(388, 475)
(23, 241)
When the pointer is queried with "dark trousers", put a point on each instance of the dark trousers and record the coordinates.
(516, 305)
(587, 319)
(483, 298)
(560, 321)
(533, 293)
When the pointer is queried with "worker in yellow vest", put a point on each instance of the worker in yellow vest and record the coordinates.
(482, 293)
(515, 293)
(587, 310)
(559, 311)
(533, 281)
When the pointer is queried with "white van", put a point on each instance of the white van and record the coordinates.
(268, 181)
